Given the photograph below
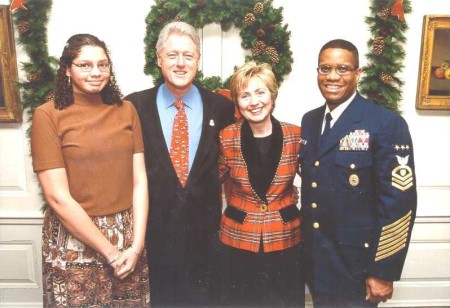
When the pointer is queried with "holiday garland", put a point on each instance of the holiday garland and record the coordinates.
(40, 69)
(262, 32)
(386, 53)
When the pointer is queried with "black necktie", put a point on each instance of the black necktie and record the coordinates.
(328, 119)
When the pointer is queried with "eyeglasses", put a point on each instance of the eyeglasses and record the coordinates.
(87, 67)
(341, 70)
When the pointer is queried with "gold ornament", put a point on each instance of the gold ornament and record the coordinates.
(249, 18)
(259, 7)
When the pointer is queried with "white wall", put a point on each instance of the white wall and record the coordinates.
(121, 24)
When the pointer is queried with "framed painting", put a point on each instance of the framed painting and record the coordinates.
(434, 72)
(10, 108)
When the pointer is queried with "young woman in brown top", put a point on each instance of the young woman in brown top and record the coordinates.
(87, 152)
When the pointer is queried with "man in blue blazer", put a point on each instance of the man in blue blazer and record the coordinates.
(183, 218)
(358, 190)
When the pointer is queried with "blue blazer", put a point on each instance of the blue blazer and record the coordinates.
(358, 197)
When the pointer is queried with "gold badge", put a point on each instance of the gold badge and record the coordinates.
(353, 179)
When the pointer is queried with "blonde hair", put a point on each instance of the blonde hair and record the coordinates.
(262, 71)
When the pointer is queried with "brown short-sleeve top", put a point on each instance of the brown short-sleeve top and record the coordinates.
(95, 143)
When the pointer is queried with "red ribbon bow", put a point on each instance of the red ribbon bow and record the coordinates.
(17, 4)
(397, 10)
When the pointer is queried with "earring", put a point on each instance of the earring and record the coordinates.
(68, 82)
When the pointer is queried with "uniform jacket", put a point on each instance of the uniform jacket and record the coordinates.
(248, 218)
(358, 195)
(181, 221)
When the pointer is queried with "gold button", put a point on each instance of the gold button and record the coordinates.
(263, 207)
(352, 166)
(314, 205)
(366, 245)
(353, 179)
(316, 225)
(316, 163)
(313, 184)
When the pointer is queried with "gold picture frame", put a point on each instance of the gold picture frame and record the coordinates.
(10, 108)
(434, 73)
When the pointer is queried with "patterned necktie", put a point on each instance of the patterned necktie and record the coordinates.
(179, 146)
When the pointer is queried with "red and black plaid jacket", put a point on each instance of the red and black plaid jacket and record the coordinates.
(248, 219)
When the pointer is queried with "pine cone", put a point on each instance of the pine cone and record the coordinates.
(384, 13)
(23, 26)
(249, 18)
(33, 77)
(273, 54)
(160, 19)
(50, 96)
(378, 98)
(386, 78)
(259, 7)
(378, 46)
(384, 31)
(258, 48)
(260, 33)
(270, 27)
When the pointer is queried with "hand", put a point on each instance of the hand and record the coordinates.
(378, 290)
(125, 264)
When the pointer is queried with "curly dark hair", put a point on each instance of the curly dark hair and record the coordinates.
(63, 94)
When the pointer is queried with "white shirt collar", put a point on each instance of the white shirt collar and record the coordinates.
(336, 113)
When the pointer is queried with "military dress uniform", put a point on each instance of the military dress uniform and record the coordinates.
(358, 200)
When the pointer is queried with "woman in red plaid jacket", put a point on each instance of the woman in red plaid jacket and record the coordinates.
(260, 227)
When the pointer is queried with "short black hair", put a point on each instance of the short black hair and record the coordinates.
(342, 44)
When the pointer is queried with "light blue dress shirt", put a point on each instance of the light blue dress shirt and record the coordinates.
(194, 112)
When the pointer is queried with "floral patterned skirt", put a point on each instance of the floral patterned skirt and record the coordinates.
(74, 275)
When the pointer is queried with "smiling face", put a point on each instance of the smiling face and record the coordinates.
(179, 61)
(334, 87)
(93, 81)
(255, 102)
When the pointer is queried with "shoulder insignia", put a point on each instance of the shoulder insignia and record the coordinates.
(402, 175)
(393, 237)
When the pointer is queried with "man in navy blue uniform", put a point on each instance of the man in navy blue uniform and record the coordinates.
(359, 194)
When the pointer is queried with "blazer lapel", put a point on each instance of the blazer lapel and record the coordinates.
(207, 138)
(316, 125)
(152, 130)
